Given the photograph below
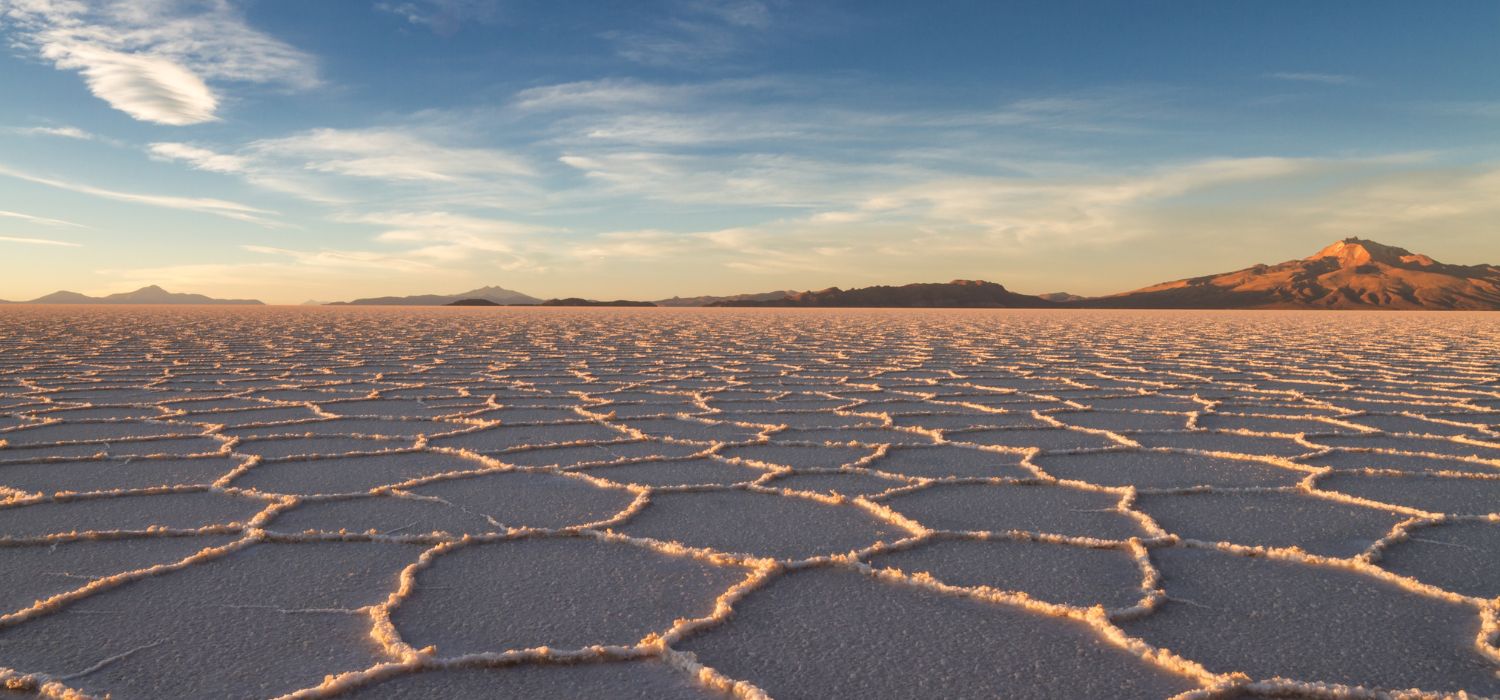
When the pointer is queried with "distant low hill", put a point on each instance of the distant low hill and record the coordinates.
(472, 302)
(572, 301)
(575, 301)
(1350, 274)
(499, 295)
(145, 295)
(955, 294)
(712, 300)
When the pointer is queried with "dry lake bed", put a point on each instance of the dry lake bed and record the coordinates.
(659, 503)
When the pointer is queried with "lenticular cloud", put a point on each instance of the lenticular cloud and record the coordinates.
(154, 61)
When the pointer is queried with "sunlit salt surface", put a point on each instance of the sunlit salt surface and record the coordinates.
(583, 503)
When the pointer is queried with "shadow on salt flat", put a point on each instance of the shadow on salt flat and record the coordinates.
(760, 524)
(171, 510)
(1276, 519)
(1275, 618)
(1033, 508)
(564, 593)
(256, 623)
(1056, 573)
(1149, 469)
(826, 633)
(621, 680)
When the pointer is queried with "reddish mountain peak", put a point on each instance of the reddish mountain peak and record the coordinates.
(1353, 252)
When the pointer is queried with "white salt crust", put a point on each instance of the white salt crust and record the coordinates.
(376, 405)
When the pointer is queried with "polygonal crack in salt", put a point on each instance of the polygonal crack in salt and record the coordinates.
(759, 524)
(836, 633)
(1028, 507)
(557, 592)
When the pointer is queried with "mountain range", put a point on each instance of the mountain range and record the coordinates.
(955, 294)
(500, 295)
(1349, 274)
(145, 295)
(712, 300)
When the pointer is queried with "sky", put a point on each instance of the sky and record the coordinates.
(292, 151)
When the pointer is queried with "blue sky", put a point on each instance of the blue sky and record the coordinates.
(327, 150)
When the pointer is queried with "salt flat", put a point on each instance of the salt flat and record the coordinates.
(571, 503)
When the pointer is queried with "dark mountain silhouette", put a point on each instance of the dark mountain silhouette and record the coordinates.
(711, 300)
(472, 302)
(499, 295)
(575, 301)
(1350, 274)
(955, 294)
(145, 295)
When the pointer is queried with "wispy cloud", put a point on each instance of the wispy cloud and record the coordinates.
(200, 158)
(1477, 109)
(444, 17)
(391, 155)
(66, 132)
(1323, 78)
(40, 241)
(154, 60)
(446, 236)
(698, 32)
(37, 219)
(205, 205)
(409, 245)
(426, 166)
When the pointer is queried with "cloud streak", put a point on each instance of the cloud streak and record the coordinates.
(204, 205)
(40, 241)
(1322, 78)
(37, 219)
(66, 132)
